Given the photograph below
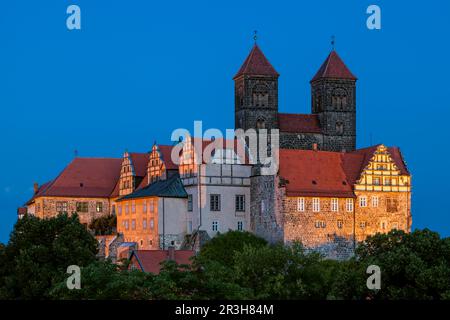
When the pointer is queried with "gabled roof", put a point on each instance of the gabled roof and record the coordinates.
(299, 123)
(150, 260)
(333, 67)
(394, 152)
(139, 162)
(328, 174)
(166, 155)
(256, 64)
(172, 187)
(84, 177)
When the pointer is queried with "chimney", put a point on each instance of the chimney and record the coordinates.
(35, 187)
(171, 253)
(314, 146)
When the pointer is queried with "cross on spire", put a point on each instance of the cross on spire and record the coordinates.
(333, 40)
(255, 35)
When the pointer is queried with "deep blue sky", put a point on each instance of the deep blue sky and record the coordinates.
(139, 69)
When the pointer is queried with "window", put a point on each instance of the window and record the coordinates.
(301, 204)
(119, 209)
(133, 224)
(376, 181)
(363, 201)
(263, 207)
(190, 203)
(240, 202)
(82, 207)
(340, 224)
(127, 208)
(189, 227)
(61, 207)
(349, 205)
(144, 206)
(113, 209)
(339, 127)
(391, 205)
(214, 202)
(316, 205)
(320, 224)
(133, 206)
(152, 223)
(240, 225)
(383, 225)
(387, 181)
(125, 222)
(362, 224)
(152, 205)
(375, 201)
(144, 224)
(215, 226)
(260, 124)
(334, 205)
(395, 225)
(99, 207)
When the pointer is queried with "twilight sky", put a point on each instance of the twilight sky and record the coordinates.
(139, 69)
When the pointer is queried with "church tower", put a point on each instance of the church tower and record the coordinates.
(333, 99)
(256, 93)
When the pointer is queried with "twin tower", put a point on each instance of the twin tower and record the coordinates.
(331, 126)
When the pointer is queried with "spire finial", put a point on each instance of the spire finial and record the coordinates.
(75, 153)
(255, 35)
(333, 40)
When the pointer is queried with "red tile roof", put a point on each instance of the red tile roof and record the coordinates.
(140, 162)
(314, 173)
(166, 155)
(299, 123)
(84, 177)
(150, 260)
(334, 67)
(325, 173)
(256, 64)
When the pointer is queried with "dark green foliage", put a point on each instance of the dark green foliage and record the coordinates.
(104, 225)
(235, 265)
(413, 266)
(222, 247)
(39, 252)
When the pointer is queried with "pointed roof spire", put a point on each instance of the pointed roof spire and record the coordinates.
(256, 64)
(334, 67)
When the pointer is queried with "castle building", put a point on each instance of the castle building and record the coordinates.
(84, 186)
(326, 193)
(218, 185)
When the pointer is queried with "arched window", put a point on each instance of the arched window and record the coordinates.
(240, 96)
(260, 124)
(339, 127)
(339, 99)
(260, 96)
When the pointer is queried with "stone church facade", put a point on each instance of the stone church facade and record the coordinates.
(327, 194)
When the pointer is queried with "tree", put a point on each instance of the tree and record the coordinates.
(104, 225)
(39, 252)
(283, 272)
(222, 247)
(103, 280)
(413, 266)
